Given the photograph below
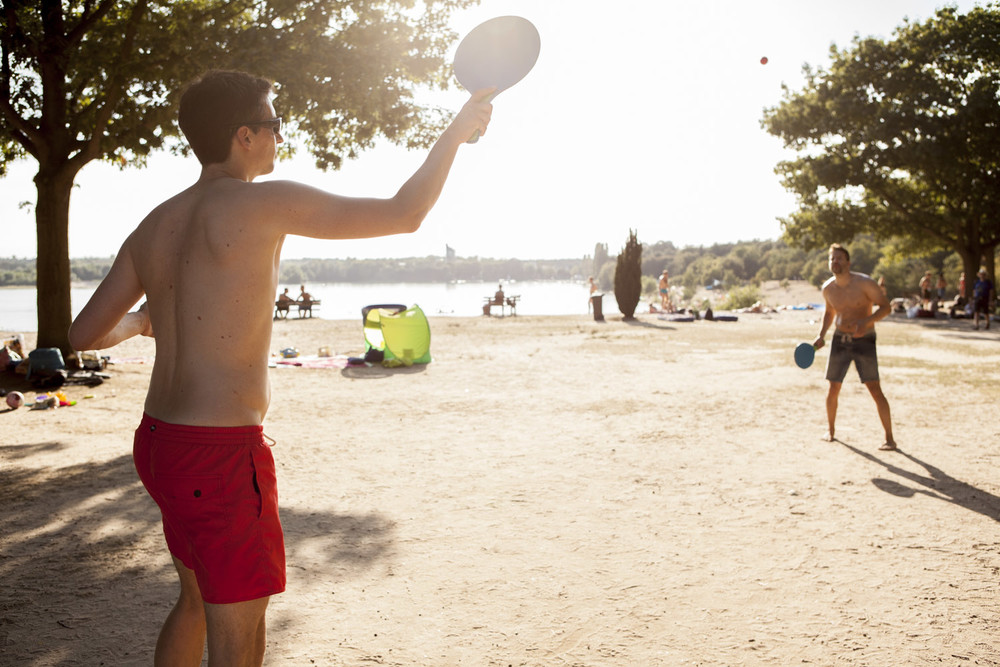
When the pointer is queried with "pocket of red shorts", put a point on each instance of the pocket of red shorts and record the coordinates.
(264, 482)
(197, 500)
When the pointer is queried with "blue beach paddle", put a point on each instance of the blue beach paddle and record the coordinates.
(804, 355)
(496, 54)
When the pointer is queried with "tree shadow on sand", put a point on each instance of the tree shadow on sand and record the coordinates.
(936, 484)
(87, 577)
(962, 327)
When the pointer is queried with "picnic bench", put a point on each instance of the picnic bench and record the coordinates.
(505, 304)
(304, 308)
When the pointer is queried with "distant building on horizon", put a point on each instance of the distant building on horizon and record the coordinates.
(449, 252)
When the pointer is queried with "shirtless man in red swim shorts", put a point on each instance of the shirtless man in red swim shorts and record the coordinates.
(199, 448)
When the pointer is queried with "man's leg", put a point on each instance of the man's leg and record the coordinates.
(237, 634)
(831, 408)
(883, 413)
(182, 639)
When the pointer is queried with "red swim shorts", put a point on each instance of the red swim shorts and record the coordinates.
(218, 494)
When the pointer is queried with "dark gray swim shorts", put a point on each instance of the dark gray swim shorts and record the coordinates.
(845, 349)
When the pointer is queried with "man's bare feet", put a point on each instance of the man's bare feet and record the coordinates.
(829, 437)
(888, 446)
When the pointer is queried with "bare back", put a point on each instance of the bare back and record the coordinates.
(207, 261)
(209, 267)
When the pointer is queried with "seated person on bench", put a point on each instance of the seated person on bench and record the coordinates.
(305, 302)
(282, 304)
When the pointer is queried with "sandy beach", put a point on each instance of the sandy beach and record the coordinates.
(552, 491)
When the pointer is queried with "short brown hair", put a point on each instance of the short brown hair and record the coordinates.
(837, 246)
(215, 102)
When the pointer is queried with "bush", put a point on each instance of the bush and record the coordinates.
(650, 285)
(741, 297)
(606, 277)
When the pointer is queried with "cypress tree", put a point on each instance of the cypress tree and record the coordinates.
(628, 276)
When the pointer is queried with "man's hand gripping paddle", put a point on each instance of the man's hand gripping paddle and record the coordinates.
(496, 54)
(804, 355)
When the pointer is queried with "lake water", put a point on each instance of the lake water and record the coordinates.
(344, 301)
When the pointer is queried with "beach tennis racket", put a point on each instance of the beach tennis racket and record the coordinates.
(496, 54)
(804, 355)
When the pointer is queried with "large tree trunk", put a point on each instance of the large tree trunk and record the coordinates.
(970, 265)
(55, 312)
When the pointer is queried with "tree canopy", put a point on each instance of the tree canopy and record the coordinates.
(900, 139)
(84, 80)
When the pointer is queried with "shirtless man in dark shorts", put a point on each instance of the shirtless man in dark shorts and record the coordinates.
(849, 300)
(200, 449)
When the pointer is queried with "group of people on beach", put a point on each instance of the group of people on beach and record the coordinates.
(982, 303)
(285, 301)
(304, 296)
(932, 293)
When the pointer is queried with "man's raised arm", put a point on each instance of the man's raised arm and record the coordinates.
(311, 212)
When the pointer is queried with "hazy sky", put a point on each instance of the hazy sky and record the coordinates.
(639, 114)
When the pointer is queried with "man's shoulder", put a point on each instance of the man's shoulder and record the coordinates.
(865, 284)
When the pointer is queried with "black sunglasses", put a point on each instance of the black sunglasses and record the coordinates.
(273, 123)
